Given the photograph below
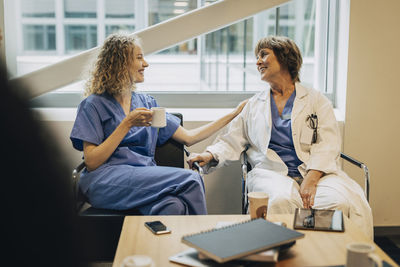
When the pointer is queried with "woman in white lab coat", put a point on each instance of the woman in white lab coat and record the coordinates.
(293, 141)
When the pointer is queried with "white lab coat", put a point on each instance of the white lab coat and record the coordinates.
(252, 128)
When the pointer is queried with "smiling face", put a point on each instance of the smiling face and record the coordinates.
(268, 65)
(272, 51)
(138, 65)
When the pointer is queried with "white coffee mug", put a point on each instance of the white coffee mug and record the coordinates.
(159, 119)
(137, 261)
(361, 254)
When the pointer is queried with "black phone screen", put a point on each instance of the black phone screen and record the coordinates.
(157, 227)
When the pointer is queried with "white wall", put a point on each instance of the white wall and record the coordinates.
(372, 109)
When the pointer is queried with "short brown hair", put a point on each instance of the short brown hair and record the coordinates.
(111, 71)
(286, 51)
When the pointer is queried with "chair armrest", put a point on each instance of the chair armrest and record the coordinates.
(78, 169)
(365, 169)
(245, 168)
(75, 185)
(195, 164)
(244, 164)
(75, 175)
(351, 160)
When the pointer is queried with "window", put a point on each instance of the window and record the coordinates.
(120, 8)
(223, 65)
(38, 9)
(220, 61)
(80, 9)
(161, 10)
(80, 37)
(39, 37)
(119, 28)
(75, 27)
(228, 62)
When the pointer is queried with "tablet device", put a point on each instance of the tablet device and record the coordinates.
(320, 220)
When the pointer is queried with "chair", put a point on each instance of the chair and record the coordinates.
(246, 167)
(102, 227)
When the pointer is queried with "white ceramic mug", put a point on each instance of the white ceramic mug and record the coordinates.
(159, 119)
(361, 254)
(137, 261)
(258, 204)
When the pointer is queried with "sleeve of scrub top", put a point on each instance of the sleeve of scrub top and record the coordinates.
(87, 126)
(326, 151)
(165, 133)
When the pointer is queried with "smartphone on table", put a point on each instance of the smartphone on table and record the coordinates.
(157, 227)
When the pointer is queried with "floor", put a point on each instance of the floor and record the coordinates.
(391, 245)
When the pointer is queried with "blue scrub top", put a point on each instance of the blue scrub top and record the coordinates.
(99, 115)
(281, 136)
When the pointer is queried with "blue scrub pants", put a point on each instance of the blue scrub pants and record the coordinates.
(153, 190)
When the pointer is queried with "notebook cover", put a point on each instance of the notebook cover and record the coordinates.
(242, 239)
(270, 255)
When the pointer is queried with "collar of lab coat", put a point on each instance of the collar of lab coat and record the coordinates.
(300, 101)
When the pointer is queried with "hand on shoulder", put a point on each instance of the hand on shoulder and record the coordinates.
(240, 107)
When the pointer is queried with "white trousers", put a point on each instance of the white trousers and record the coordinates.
(333, 192)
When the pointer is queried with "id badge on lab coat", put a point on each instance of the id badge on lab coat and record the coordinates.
(306, 135)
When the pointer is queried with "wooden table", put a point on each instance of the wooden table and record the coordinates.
(315, 249)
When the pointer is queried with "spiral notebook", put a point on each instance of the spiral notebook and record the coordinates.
(239, 240)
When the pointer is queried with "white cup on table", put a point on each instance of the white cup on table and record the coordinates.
(138, 261)
(362, 254)
(159, 117)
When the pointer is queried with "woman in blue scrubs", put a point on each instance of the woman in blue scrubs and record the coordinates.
(113, 129)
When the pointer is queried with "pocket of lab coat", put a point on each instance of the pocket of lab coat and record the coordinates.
(306, 136)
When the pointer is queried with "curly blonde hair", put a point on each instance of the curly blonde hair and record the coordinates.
(111, 71)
